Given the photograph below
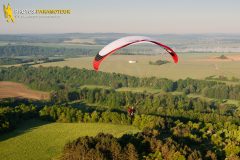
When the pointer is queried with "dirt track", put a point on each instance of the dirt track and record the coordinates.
(12, 89)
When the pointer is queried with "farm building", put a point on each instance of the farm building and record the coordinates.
(131, 61)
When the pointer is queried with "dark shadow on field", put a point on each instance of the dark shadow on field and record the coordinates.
(86, 107)
(203, 146)
(175, 118)
(118, 111)
(22, 128)
(12, 102)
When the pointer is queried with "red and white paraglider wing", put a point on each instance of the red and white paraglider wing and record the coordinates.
(123, 42)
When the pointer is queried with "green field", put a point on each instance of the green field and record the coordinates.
(37, 140)
(225, 101)
(95, 86)
(126, 89)
(193, 65)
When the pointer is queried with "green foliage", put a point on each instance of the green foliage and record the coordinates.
(149, 121)
(40, 51)
(55, 78)
(103, 146)
(217, 140)
(162, 137)
(38, 140)
(162, 104)
(151, 144)
(10, 117)
(154, 156)
(174, 126)
(69, 114)
(10, 61)
(159, 62)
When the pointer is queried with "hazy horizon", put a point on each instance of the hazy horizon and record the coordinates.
(128, 33)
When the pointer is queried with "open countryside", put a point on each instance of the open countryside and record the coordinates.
(53, 105)
(193, 65)
(17, 90)
(40, 140)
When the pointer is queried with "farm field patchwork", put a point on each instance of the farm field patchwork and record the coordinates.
(197, 65)
(17, 90)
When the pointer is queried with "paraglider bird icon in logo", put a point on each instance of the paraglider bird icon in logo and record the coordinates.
(8, 14)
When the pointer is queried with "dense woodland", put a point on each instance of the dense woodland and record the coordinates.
(10, 117)
(159, 104)
(161, 137)
(41, 51)
(174, 126)
(28, 61)
(10, 61)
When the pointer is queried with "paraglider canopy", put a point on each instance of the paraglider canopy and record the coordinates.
(126, 41)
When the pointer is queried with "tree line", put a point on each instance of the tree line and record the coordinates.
(41, 51)
(10, 117)
(149, 145)
(66, 85)
(161, 137)
(55, 78)
(218, 140)
(10, 61)
(147, 103)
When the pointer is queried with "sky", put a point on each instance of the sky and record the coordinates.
(128, 16)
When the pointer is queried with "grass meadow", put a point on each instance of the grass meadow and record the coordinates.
(197, 65)
(38, 140)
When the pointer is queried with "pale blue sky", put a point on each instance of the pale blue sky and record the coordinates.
(131, 16)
